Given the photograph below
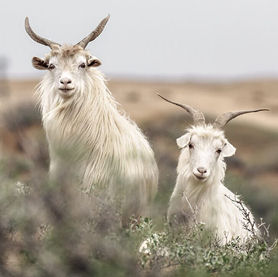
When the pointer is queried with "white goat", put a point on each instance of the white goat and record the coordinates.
(85, 130)
(199, 195)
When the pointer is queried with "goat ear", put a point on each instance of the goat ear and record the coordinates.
(183, 140)
(39, 63)
(228, 150)
(93, 61)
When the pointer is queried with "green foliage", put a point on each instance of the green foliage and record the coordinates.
(197, 252)
(54, 230)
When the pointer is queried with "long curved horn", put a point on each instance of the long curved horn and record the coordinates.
(94, 34)
(223, 119)
(36, 37)
(198, 117)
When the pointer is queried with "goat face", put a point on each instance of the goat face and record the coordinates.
(204, 147)
(67, 65)
(68, 68)
(206, 144)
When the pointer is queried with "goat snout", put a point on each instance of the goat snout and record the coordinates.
(65, 81)
(202, 170)
(201, 173)
(66, 87)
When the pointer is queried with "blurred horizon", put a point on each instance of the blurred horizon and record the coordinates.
(158, 79)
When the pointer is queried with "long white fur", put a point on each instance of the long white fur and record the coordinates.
(207, 201)
(103, 147)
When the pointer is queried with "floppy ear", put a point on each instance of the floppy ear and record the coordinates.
(93, 61)
(183, 140)
(228, 150)
(39, 63)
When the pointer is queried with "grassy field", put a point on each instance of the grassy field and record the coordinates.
(49, 230)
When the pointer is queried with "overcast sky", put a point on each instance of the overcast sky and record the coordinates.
(210, 39)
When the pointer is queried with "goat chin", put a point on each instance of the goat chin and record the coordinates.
(98, 146)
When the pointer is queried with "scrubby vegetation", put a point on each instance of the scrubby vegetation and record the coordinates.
(51, 229)
(54, 230)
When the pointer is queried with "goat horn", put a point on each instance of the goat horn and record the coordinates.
(36, 37)
(198, 117)
(94, 34)
(223, 119)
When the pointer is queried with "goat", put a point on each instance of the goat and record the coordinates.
(199, 195)
(87, 134)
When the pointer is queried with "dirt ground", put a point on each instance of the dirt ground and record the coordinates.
(141, 103)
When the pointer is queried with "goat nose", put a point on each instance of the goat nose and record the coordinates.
(202, 170)
(65, 81)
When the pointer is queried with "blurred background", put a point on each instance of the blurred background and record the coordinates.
(217, 56)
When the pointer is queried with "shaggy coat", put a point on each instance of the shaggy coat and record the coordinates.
(89, 139)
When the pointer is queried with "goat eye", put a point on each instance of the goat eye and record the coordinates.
(51, 66)
(83, 65)
(219, 151)
(190, 145)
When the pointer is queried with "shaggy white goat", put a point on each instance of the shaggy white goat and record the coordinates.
(87, 133)
(199, 195)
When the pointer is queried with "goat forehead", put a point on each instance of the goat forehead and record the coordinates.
(207, 140)
(67, 50)
(67, 62)
(67, 53)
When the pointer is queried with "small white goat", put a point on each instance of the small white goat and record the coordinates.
(199, 195)
(87, 133)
